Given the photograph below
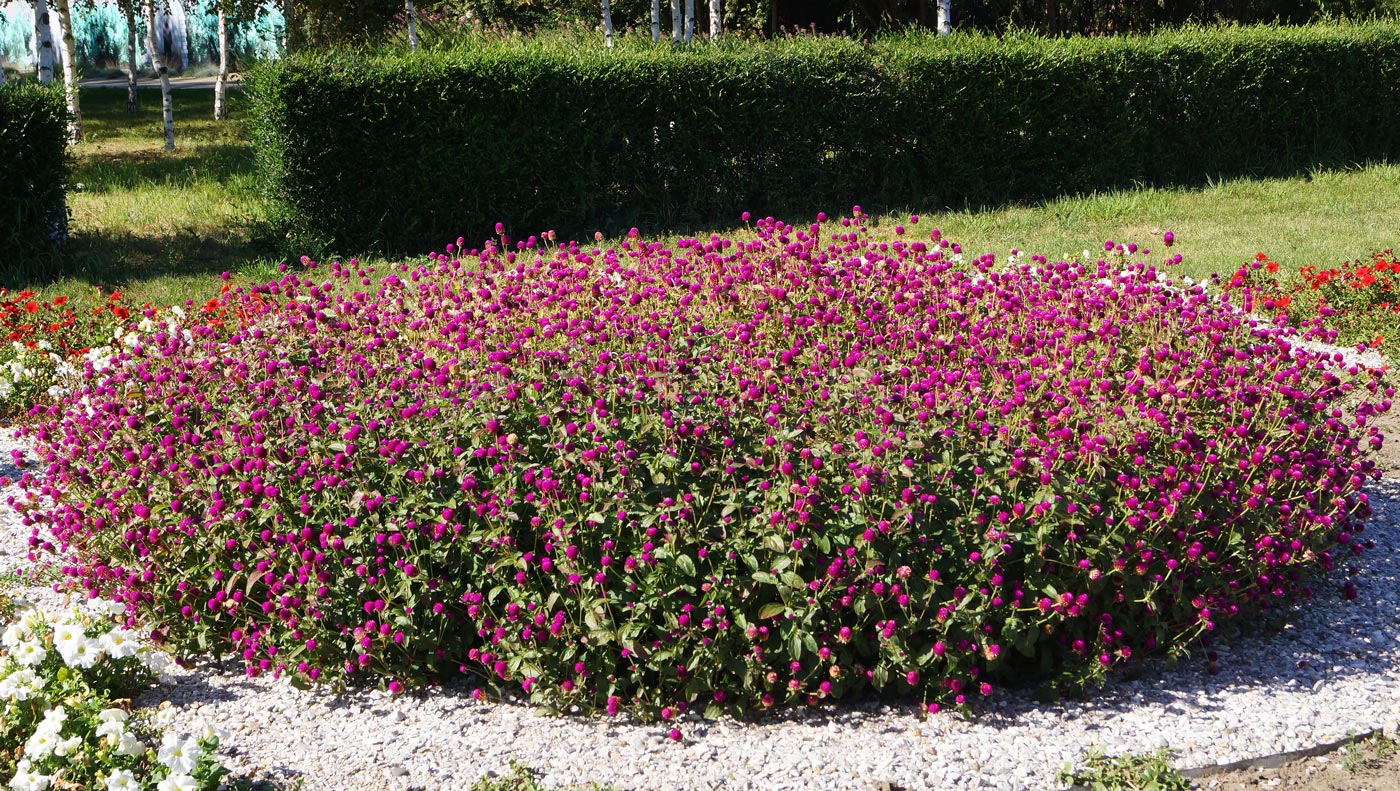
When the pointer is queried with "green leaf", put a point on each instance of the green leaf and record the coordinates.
(772, 609)
(794, 581)
(686, 565)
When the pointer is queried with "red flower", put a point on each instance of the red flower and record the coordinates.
(31, 306)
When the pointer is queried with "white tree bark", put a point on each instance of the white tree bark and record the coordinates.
(43, 42)
(945, 17)
(607, 23)
(411, 12)
(70, 69)
(158, 60)
(656, 21)
(132, 105)
(689, 20)
(221, 82)
(675, 21)
(716, 20)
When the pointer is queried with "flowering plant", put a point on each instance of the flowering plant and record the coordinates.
(1358, 299)
(727, 475)
(43, 342)
(63, 683)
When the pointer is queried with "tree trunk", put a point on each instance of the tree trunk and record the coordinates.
(689, 20)
(607, 23)
(290, 27)
(945, 17)
(66, 51)
(412, 13)
(656, 21)
(43, 42)
(221, 82)
(675, 21)
(132, 105)
(716, 20)
(158, 60)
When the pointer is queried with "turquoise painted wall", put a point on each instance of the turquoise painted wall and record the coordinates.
(100, 35)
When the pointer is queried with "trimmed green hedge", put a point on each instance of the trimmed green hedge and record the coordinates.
(33, 170)
(400, 153)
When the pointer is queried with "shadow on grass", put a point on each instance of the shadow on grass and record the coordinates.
(111, 260)
(104, 172)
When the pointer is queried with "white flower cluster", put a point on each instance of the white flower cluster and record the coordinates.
(25, 642)
(28, 642)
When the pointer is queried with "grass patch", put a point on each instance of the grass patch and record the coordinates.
(155, 223)
(1321, 219)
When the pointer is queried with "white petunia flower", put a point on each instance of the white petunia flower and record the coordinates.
(130, 745)
(26, 779)
(110, 731)
(22, 684)
(45, 738)
(82, 654)
(208, 730)
(179, 753)
(112, 715)
(178, 782)
(65, 747)
(122, 780)
(119, 643)
(67, 632)
(29, 653)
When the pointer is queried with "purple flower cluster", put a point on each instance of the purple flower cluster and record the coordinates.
(734, 473)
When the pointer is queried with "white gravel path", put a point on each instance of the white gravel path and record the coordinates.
(1331, 672)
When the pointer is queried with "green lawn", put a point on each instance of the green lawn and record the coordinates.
(160, 226)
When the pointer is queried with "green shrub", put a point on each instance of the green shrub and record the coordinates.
(403, 152)
(33, 171)
(728, 474)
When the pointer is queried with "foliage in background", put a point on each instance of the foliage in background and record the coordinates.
(398, 153)
(33, 172)
(726, 475)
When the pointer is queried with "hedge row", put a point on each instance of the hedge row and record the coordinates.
(33, 170)
(396, 152)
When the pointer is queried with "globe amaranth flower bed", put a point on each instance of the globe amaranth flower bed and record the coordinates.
(726, 475)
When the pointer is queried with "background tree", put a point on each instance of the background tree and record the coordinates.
(167, 106)
(716, 19)
(43, 42)
(236, 13)
(63, 10)
(607, 23)
(411, 15)
(128, 9)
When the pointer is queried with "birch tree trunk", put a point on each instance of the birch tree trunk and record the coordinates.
(675, 21)
(945, 17)
(70, 69)
(131, 102)
(158, 60)
(290, 31)
(716, 20)
(689, 20)
(412, 13)
(607, 23)
(221, 82)
(656, 21)
(43, 42)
